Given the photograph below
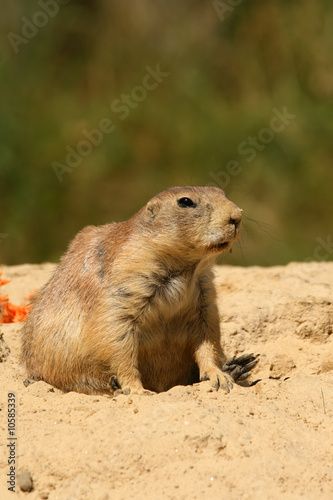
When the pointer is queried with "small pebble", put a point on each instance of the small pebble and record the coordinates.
(25, 481)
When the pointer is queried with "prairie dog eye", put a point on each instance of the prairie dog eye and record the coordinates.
(186, 202)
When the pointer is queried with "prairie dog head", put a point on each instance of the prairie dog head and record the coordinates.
(199, 221)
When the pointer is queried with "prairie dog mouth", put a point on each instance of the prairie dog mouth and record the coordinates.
(219, 247)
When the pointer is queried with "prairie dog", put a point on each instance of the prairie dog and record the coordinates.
(133, 305)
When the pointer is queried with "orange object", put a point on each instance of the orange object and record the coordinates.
(3, 282)
(9, 313)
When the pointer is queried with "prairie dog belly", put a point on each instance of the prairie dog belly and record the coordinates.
(167, 361)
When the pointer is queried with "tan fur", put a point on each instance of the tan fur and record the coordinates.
(135, 300)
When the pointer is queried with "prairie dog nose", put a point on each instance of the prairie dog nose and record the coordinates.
(236, 217)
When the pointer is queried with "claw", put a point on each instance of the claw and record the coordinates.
(255, 382)
(236, 372)
(229, 384)
(148, 393)
(248, 367)
(217, 384)
(239, 368)
(246, 358)
(114, 383)
(230, 361)
(28, 381)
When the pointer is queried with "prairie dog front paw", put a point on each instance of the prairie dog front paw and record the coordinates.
(218, 379)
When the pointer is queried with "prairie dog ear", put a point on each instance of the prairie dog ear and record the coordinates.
(152, 209)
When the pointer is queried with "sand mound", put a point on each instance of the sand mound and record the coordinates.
(270, 441)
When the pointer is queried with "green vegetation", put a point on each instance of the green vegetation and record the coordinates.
(222, 79)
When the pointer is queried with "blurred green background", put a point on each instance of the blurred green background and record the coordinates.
(63, 64)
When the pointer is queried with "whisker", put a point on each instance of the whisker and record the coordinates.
(263, 226)
(240, 241)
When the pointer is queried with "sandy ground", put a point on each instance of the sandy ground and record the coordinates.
(270, 441)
